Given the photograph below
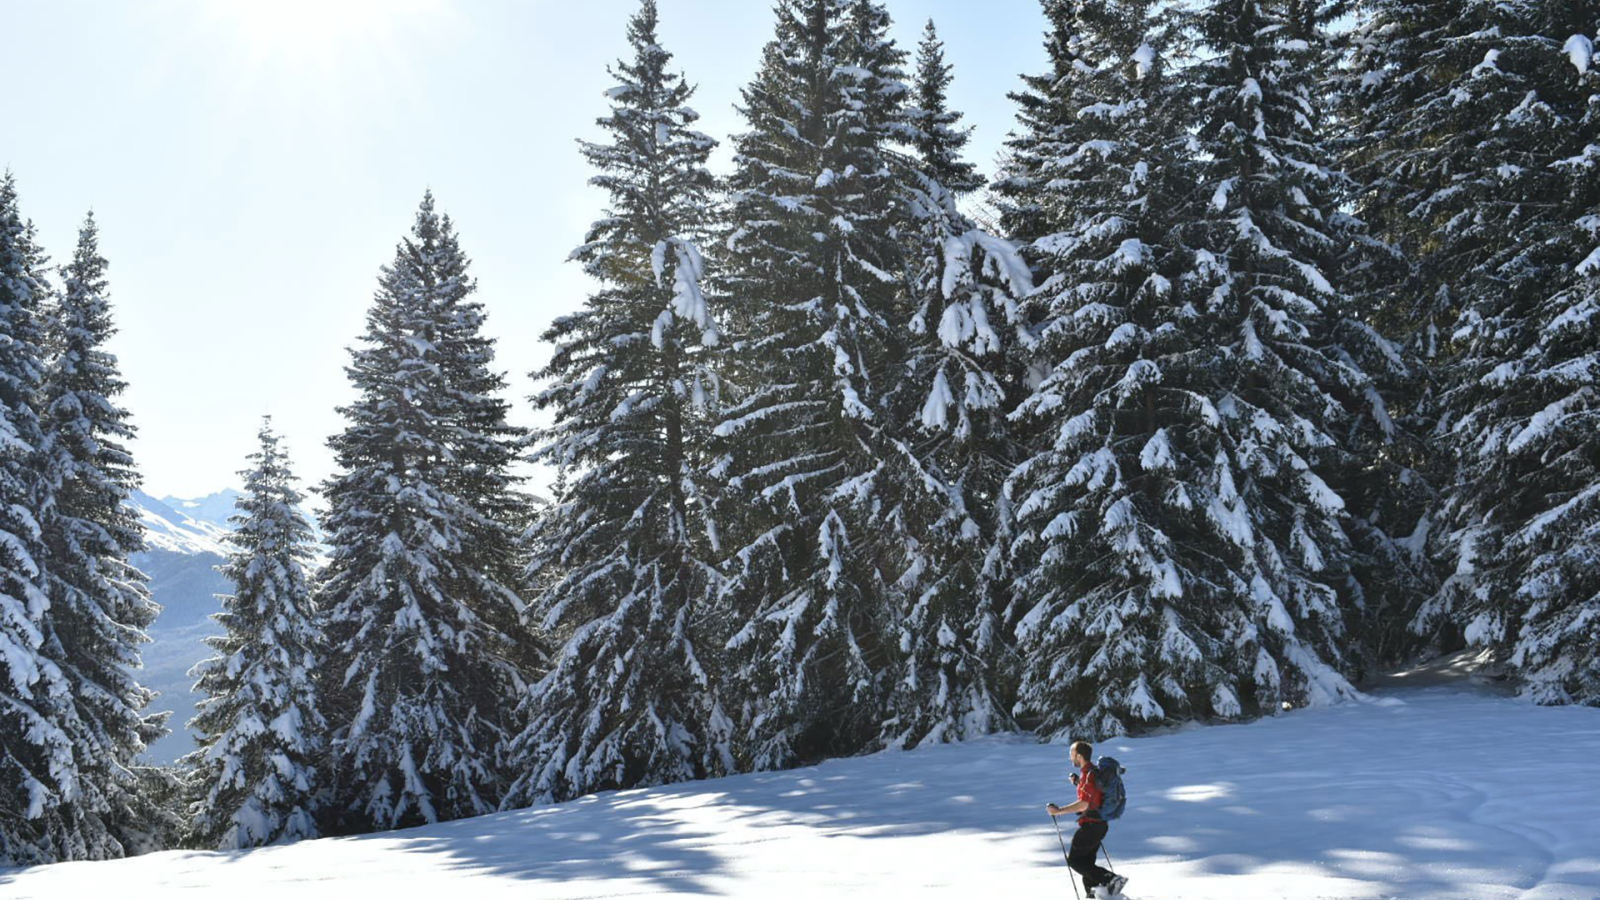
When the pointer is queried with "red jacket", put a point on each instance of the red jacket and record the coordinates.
(1090, 793)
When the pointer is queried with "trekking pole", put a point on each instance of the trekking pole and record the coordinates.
(1067, 859)
(1108, 858)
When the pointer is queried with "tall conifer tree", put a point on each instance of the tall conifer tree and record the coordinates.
(1427, 134)
(257, 771)
(624, 559)
(935, 130)
(814, 271)
(957, 336)
(427, 657)
(40, 818)
(99, 606)
(1287, 386)
(1116, 554)
(1522, 393)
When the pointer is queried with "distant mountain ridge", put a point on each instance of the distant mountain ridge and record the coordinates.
(196, 525)
(196, 529)
(214, 508)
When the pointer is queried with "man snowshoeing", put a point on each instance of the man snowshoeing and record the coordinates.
(1091, 826)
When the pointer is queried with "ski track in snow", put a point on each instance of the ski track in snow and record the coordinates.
(1450, 794)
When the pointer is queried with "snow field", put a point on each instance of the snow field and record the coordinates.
(1424, 794)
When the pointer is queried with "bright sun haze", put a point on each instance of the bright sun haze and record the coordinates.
(314, 28)
(252, 164)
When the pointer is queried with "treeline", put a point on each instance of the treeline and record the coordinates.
(1268, 357)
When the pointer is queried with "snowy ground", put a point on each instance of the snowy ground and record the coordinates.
(1438, 791)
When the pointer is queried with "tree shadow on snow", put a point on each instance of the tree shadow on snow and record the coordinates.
(611, 836)
(1397, 797)
(1411, 799)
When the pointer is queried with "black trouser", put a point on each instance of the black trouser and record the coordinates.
(1085, 847)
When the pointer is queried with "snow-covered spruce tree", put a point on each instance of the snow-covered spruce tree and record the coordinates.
(1523, 407)
(1388, 481)
(814, 271)
(256, 773)
(1442, 149)
(1120, 563)
(1284, 385)
(623, 561)
(163, 808)
(1467, 112)
(1432, 120)
(1185, 556)
(947, 411)
(1393, 490)
(427, 659)
(1025, 199)
(934, 130)
(99, 606)
(1027, 202)
(40, 820)
(1553, 559)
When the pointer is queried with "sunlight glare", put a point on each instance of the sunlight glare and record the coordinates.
(314, 30)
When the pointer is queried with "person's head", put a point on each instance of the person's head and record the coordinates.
(1082, 752)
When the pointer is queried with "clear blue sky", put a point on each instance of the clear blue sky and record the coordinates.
(253, 163)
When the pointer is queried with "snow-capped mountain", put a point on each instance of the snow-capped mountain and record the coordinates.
(196, 525)
(214, 508)
(185, 526)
